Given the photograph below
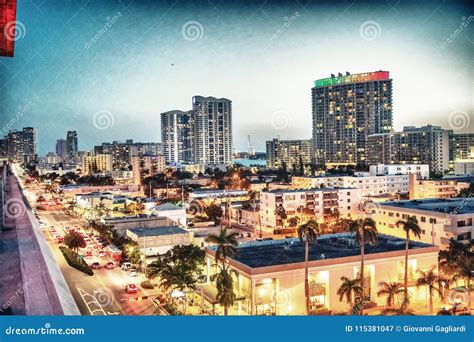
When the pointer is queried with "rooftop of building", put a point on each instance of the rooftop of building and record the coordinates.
(439, 205)
(286, 191)
(167, 206)
(341, 79)
(288, 251)
(158, 231)
(140, 217)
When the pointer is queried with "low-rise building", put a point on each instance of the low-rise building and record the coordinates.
(439, 219)
(159, 240)
(98, 163)
(174, 212)
(321, 204)
(464, 167)
(423, 170)
(270, 274)
(121, 224)
(434, 188)
(368, 185)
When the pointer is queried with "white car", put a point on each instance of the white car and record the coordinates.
(133, 272)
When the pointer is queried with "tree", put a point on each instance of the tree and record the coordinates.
(74, 241)
(225, 289)
(301, 166)
(309, 232)
(214, 212)
(409, 226)
(392, 291)
(402, 310)
(226, 247)
(431, 280)
(348, 289)
(293, 221)
(365, 232)
(464, 270)
(467, 192)
(226, 243)
(178, 269)
(282, 173)
(281, 214)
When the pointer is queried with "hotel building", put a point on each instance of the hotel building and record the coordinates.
(322, 204)
(346, 109)
(368, 186)
(269, 275)
(434, 188)
(212, 120)
(462, 145)
(292, 152)
(439, 219)
(98, 163)
(177, 136)
(414, 145)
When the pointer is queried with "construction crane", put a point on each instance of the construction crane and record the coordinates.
(250, 148)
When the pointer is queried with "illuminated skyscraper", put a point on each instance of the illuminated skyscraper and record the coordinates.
(177, 136)
(346, 109)
(71, 144)
(212, 120)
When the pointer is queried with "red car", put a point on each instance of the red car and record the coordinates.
(110, 265)
(131, 288)
(88, 253)
(59, 239)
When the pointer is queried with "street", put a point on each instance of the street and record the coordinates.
(104, 292)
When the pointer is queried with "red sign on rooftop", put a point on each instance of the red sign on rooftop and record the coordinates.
(7, 27)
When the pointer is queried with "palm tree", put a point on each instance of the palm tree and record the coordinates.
(226, 247)
(365, 232)
(431, 280)
(74, 241)
(409, 226)
(391, 290)
(225, 289)
(464, 270)
(309, 232)
(349, 288)
(402, 310)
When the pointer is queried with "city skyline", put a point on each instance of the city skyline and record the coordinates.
(111, 78)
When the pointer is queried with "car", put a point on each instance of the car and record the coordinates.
(88, 253)
(59, 239)
(41, 223)
(125, 266)
(110, 265)
(102, 253)
(95, 265)
(133, 272)
(131, 288)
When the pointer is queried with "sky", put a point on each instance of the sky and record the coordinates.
(109, 68)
